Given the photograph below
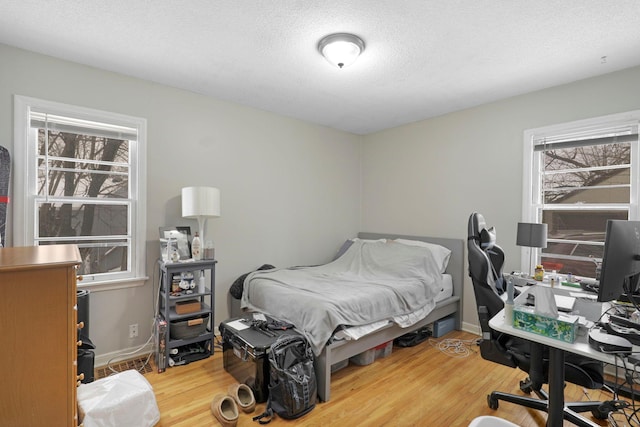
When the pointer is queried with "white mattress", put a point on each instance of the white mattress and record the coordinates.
(447, 288)
(356, 332)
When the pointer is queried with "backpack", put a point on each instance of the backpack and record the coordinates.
(292, 381)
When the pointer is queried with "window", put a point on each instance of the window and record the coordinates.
(80, 179)
(576, 177)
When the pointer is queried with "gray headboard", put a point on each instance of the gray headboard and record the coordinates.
(456, 261)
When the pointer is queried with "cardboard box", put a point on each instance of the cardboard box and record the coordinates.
(189, 306)
(563, 328)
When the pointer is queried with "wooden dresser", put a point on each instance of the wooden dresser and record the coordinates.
(38, 329)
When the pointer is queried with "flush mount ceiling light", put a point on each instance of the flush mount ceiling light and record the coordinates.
(341, 49)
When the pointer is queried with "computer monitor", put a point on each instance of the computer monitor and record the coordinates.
(621, 260)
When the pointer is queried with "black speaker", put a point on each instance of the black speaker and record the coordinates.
(85, 365)
(83, 310)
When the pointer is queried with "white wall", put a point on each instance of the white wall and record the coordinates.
(428, 177)
(290, 190)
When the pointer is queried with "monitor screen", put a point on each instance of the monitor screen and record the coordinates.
(621, 260)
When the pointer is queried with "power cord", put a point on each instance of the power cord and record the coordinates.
(146, 362)
(151, 336)
(454, 347)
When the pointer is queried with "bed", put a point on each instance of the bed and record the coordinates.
(405, 299)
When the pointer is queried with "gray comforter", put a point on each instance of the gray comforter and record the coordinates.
(371, 281)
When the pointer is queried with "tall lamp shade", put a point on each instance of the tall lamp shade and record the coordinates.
(200, 203)
(531, 235)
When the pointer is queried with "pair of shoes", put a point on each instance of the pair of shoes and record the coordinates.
(225, 407)
(243, 395)
(225, 410)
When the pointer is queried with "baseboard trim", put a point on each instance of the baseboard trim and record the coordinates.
(120, 355)
(471, 328)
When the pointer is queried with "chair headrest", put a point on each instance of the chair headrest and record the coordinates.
(479, 232)
(487, 238)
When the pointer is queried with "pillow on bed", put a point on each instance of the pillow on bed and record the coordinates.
(347, 244)
(440, 253)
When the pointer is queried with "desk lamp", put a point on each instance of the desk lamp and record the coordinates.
(531, 235)
(200, 203)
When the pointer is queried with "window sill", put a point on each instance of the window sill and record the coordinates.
(111, 285)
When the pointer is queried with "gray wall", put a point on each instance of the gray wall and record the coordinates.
(428, 177)
(293, 191)
(290, 190)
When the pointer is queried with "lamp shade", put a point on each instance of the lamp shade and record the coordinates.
(341, 49)
(532, 235)
(200, 202)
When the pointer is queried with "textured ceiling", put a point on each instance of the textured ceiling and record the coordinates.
(423, 58)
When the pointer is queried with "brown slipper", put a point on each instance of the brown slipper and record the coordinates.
(243, 396)
(224, 408)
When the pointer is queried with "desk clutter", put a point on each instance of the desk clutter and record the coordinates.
(554, 279)
(614, 333)
(544, 319)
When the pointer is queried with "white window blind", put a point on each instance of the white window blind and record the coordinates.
(83, 182)
(577, 176)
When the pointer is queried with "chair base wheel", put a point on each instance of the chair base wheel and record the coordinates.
(492, 402)
(525, 386)
(599, 415)
(602, 412)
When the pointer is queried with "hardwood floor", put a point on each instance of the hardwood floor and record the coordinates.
(415, 386)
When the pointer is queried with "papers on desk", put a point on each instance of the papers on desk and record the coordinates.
(584, 295)
(565, 303)
(238, 325)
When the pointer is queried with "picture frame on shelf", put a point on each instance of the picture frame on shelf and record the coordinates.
(180, 237)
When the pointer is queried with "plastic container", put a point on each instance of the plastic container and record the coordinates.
(383, 350)
(369, 356)
(196, 248)
(364, 358)
(209, 251)
(443, 326)
(340, 365)
(189, 328)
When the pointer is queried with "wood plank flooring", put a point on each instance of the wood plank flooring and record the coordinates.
(416, 386)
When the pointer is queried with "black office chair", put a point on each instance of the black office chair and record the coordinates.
(485, 269)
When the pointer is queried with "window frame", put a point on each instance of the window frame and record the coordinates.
(532, 203)
(25, 184)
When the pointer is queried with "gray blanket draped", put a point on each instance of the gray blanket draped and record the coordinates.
(371, 281)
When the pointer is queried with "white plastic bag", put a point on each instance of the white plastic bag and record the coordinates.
(121, 400)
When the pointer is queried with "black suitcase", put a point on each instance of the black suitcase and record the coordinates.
(245, 353)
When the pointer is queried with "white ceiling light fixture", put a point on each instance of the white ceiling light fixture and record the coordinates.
(341, 49)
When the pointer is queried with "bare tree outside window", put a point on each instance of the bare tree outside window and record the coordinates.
(83, 197)
(582, 185)
(81, 180)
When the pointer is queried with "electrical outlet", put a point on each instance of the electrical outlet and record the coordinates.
(133, 330)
